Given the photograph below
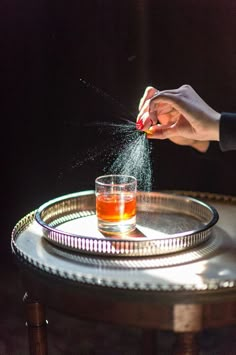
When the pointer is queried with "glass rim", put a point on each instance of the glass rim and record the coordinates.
(133, 178)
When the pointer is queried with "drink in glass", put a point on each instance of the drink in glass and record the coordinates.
(116, 203)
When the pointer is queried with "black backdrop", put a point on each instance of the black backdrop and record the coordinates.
(121, 47)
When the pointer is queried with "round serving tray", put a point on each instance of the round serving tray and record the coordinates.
(166, 223)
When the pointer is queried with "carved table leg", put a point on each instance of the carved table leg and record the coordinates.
(187, 321)
(36, 323)
(149, 342)
(186, 344)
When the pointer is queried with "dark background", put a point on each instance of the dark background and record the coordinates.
(120, 47)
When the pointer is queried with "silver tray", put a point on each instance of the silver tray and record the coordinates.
(166, 223)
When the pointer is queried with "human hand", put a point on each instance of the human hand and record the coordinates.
(180, 115)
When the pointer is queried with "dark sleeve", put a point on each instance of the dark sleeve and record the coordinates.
(227, 131)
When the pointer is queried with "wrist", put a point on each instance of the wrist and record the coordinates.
(216, 127)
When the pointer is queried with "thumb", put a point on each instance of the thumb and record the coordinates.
(162, 131)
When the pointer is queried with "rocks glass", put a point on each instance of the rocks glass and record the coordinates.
(116, 203)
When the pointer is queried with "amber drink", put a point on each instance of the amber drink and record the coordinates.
(116, 203)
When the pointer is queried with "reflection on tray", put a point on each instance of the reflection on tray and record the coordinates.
(149, 226)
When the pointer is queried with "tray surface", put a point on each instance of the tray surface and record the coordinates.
(166, 223)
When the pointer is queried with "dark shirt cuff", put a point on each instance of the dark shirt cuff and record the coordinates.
(227, 131)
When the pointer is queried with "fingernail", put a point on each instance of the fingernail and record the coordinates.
(139, 124)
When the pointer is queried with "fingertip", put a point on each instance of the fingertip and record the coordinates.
(139, 124)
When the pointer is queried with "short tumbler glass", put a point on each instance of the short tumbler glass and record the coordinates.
(116, 203)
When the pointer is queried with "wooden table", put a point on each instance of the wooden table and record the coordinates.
(185, 297)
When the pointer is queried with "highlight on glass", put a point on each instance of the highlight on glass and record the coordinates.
(116, 203)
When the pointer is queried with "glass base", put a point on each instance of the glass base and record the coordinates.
(117, 227)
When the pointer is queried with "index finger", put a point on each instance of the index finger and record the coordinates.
(166, 97)
(149, 92)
